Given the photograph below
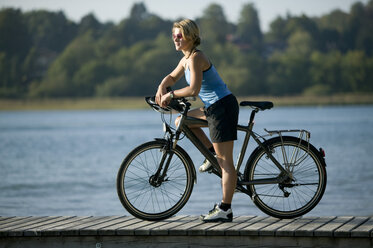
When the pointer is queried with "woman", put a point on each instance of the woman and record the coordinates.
(220, 110)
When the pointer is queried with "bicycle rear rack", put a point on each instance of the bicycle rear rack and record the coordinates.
(295, 158)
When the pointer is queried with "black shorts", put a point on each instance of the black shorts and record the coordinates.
(222, 118)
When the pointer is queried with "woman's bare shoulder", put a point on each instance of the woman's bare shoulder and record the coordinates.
(199, 58)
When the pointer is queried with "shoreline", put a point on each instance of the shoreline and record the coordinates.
(139, 103)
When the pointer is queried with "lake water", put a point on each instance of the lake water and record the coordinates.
(65, 162)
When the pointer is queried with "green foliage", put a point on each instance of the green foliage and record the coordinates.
(43, 54)
(59, 79)
(214, 25)
(49, 30)
(115, 86)
(248, 28)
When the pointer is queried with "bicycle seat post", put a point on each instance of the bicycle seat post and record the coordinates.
(252, 116)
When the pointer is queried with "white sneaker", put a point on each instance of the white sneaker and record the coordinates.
(218, 215)
(205, 166)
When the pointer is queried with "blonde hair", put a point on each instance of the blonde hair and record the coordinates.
(189, 30)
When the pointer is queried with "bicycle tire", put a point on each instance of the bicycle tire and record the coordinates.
(145, 201)
(309, 175)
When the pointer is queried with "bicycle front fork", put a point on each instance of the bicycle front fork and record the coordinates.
(160, 175)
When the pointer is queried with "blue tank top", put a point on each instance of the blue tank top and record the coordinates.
(213, 87)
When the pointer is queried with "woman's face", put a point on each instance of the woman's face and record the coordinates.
(180, 42)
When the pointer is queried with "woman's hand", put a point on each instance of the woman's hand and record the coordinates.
(165, 100)
(160, 92)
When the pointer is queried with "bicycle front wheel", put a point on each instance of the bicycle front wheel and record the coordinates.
(301, 191)
(145, 198)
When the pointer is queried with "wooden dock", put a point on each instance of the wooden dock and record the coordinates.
(185, 231)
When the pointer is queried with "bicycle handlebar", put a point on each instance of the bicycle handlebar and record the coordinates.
(176, 104)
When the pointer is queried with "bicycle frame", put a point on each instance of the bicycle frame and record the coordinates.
(187, 121)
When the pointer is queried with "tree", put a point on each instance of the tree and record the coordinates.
(138, 12)
(15, 39)
(89, 23)
(288, 70)
(15, 43)
(277, 32)
(356, 72)
(336, 20)
(50, 31)
(89, 75)
(59, 78)
(325, 72)
(248, 28)
(213, 24)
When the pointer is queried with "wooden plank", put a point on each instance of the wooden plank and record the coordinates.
(146, 230)
(56, 231)
(221, 229)
(289, 229)
(4, 218)
(182, 230)
(37, 230)
(21, 231)
(164, 229)
(112, 230)
(254, 228)
(345, 230)
(235, 230)
(328, 229)
(364, 229)
(75, 229)
(93, 230)
(130, 229)
(308, 229)
(271, 229)
(201, 229)
(17, 221)
(12, 219)
(6, 230)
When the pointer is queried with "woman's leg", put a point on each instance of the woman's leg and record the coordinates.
(197, 130)
(223, 211)
(224, 152)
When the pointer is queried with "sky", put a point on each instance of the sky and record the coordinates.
(116, 10)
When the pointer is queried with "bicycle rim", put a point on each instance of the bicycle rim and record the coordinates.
(297, 196)
(140, 197)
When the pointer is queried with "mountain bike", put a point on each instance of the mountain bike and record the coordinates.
(285, 176)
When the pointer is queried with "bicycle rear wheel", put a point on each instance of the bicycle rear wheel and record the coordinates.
(149, 200)
(296, 195)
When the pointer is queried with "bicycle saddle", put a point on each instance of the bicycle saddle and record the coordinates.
(259, 105)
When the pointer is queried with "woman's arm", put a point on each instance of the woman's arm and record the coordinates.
(198, 62)
(169, 81)
(196, 66)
